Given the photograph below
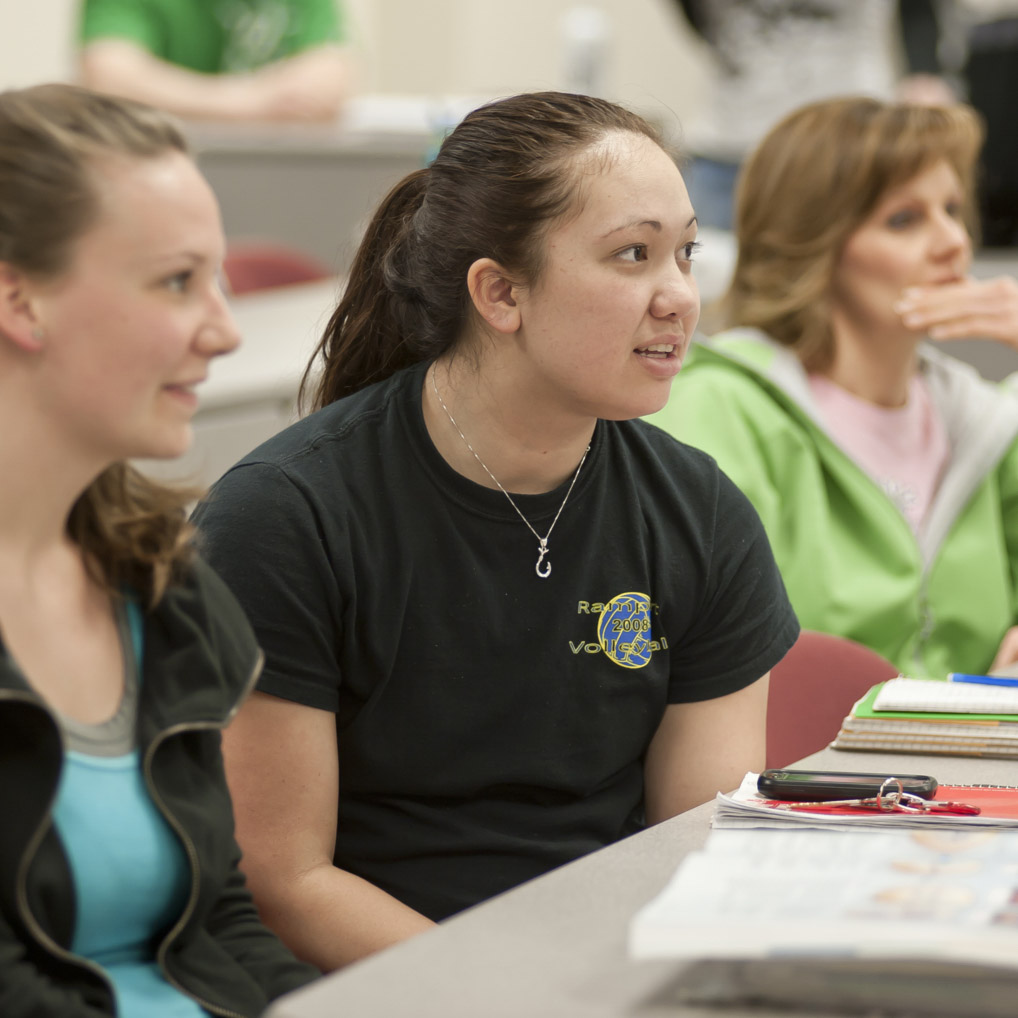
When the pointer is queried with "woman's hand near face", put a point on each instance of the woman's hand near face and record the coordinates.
(968, 309)
(1007, 654)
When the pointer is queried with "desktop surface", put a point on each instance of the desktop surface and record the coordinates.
(556, 946)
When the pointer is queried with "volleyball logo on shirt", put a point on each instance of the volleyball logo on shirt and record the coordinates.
(623, 630)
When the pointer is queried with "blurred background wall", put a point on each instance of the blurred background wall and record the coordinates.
(35, 41)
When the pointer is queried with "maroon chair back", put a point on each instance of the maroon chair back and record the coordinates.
(812, 690)
(254, 265)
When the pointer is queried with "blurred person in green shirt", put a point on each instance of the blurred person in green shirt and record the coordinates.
(245, 60)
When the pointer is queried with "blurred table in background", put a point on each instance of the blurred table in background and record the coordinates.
(313, 186)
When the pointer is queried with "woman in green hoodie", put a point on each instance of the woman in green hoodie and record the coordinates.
(885, 472)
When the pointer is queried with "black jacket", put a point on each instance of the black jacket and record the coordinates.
(200, 661)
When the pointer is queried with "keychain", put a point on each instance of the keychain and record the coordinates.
(887, 800)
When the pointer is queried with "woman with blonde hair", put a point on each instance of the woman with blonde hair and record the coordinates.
(885, 472)
(121, 654)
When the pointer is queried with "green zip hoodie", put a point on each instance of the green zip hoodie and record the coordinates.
(850, 562)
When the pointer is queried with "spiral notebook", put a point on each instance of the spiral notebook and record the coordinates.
(940, 696)
(935, 717)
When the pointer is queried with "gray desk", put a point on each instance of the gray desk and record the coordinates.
(556, 947)
(313, 190)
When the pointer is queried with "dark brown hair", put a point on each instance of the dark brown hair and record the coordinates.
(53, 140)
(505, 172)
(810, 184)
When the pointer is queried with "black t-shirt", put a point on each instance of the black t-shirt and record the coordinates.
(491, 724)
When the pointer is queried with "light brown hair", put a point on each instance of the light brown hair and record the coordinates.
(809, 185)
(505, 172)
(53, 139)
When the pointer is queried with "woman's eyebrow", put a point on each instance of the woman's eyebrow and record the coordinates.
(652, 223)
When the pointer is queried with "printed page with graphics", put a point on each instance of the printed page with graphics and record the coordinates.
(928, 901)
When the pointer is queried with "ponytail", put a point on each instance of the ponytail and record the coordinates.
(367, 338)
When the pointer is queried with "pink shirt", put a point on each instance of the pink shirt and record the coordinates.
(904, 450)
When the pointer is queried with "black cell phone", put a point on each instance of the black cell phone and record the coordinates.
(819, 786)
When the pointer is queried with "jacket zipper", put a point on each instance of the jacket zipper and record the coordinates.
(21, 880)
(192, 854)
(926, 619)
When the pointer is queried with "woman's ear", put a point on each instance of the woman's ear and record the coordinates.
(18, 321)
(492, 293)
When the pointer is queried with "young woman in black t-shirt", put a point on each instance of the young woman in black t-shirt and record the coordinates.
(505, 622)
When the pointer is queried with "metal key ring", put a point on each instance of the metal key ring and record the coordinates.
(892, 801)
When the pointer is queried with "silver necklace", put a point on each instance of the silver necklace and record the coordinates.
(542, 568)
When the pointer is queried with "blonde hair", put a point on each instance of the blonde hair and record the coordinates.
(806, 188)
(53, 139)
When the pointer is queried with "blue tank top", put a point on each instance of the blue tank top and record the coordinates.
(131, 876)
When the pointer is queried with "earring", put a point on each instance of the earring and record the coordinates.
(38, 333)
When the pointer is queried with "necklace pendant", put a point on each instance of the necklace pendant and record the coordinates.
(542, 568)
(543, 550)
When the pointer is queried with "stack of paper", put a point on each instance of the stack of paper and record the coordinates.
(746, 808)
(938, 695)
(921, 922)
(934, 716)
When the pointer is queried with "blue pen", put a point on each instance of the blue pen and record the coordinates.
(982, 680)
